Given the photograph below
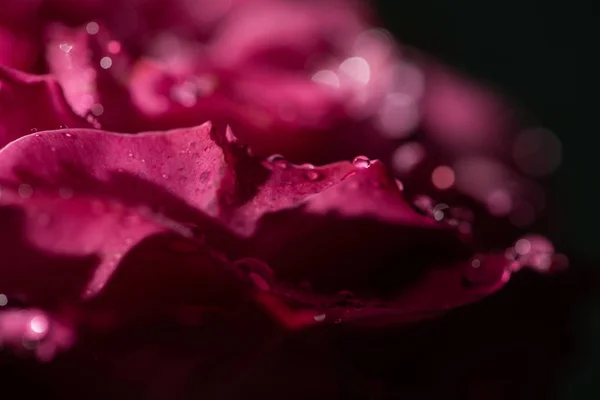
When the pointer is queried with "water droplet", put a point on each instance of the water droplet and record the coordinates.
(165, 176)
(320, 317)
(312, 175)
(361, 162)
(92, 28)
(185, 93)
(130, 155)
(25, 191)
(438, 211)
(476, 263)
(399, 185)
(66, 47)
(63, 126)
(114, 47)
(356, 68)
(3, 300)
(33, 130)
(443, 177)
(535, 251)
(278, 160)
(97, 109)
(39, 324)
(523, 246)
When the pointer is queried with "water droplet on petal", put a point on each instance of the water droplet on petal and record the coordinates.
(320, 317)
(361, 162)
(106, 62)
(356, 68)
(3, 300)
(92, 28)
(399, 185)
(39, 324)
(66, 47)
(439, 211)
(443, 177)
(278, 160)
(523, 246)
(312, 175)
(67, 134)
(33, 130)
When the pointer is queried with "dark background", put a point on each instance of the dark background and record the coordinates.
(535, 52)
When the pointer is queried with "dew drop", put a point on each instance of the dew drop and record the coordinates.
(33, 130)
(92, 28)
(438, 211)
(312, 175)
(165, 176)
(319, 317)
(39, 324)
(63, 126)
(399, 185)
(130, 155)
(106, 62)
(66, 47)
(361, 162)
(278, 160)
(476, 263)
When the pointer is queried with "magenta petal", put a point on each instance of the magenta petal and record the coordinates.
(30, 103)
(322, 230)
(77, 209)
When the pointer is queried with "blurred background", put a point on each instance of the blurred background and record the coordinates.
(537, 53)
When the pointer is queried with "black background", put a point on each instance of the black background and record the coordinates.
(538, 53)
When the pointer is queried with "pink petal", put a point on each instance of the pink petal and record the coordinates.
(30, 103)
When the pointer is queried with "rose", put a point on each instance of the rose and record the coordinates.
(239, 257)
(468, 136)
(147, 227)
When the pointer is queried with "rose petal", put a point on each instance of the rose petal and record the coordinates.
(30, 103)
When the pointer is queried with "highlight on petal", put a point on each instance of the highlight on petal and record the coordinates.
(30, 103)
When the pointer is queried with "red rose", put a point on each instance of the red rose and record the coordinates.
(164, 247)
